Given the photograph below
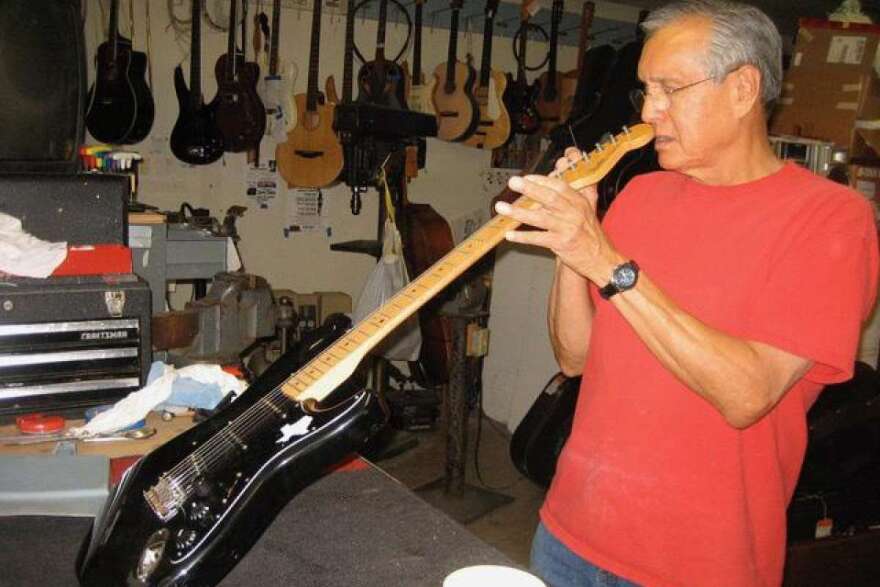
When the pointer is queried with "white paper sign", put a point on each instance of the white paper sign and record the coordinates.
(849, 50)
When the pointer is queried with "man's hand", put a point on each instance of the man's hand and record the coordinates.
(567, 221)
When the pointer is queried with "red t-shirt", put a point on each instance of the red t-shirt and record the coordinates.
(653, 484)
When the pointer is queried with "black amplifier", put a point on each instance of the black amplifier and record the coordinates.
(70, 342)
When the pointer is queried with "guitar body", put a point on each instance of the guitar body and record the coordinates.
(521, 102)
(383, 83)
(146, 107)
(549, 104)
(312, 155)
(493, 128)
(540, 436)
(112, 102)
(239, 112)
(195, 138)
(188, 511)
(456, 108)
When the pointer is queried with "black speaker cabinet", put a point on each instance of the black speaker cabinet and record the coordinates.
(84, 209)
(42, 85)
(71, 342)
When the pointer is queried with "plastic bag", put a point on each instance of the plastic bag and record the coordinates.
(387, 278)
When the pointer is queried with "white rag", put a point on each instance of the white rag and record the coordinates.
(24, 254)
(136, 405)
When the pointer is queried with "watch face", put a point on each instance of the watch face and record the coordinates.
(624, 277)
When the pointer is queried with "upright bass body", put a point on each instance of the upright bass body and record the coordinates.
(189, 511)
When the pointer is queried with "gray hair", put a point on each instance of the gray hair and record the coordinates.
(741, 35)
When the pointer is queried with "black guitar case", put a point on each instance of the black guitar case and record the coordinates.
(540, 436)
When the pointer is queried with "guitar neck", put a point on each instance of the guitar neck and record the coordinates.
(586, 23)
(195, 58)
(230, 42)
(417, 45)
(314, 55)
(348, 57)
(453, 51)
(318, 378)
(380, 31)
(554, 41)
(486, 60)
(523, 46)
(276, 30)
(113, 27)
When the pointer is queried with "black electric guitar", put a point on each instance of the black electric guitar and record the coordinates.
(195, 138)
(381, 81)
(113, 106)
(238, 110)
(189, 510)
(521, 97)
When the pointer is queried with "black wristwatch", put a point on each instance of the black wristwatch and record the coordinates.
(623, 277)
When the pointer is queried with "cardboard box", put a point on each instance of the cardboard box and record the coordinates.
(865, 179)
(831, 83)
(823, 44)
(826, 106)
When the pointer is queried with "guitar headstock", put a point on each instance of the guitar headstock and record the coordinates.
(596, 164)
(491, 8)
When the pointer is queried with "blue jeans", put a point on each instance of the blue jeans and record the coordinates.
(558, 566)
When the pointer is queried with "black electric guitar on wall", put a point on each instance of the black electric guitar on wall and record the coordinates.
(550, 82)
(521, 97)
(189, 510)
(113, 106)
(195, 138)
(238, 110)
(381, 81)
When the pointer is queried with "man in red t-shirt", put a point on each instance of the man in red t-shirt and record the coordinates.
(705, 314)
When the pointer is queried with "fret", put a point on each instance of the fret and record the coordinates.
(300, 385)
(329, 361)
(364, 331)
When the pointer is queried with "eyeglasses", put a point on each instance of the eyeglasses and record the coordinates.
(639, 96)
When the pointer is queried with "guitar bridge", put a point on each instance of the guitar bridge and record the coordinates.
(165, 498)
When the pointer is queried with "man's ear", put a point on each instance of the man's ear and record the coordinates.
(746, 81)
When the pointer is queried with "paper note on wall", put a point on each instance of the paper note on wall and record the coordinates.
(846, 49)
(306, 212)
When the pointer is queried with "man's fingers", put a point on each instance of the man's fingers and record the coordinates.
(533, 237)
(537, 218)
